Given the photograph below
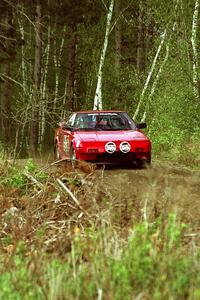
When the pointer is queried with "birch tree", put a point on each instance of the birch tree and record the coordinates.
(153, 67)
(98, 93)
(154, 85)
(194, 50)
(163, 36)
(140, 39)
(8, 47)
(57, 64)
(71, 59)
(157, 77)
(118, 39)
(34, 132)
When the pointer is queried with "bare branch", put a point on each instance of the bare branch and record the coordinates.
(68, 191)
(7, 38)
(31, 178)
(21, 12)
(3, 76)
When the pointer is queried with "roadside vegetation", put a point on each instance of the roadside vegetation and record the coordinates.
(91, 244)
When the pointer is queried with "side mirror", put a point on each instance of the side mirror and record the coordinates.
(141, 125)
(66, 127)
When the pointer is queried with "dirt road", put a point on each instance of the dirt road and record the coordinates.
(159, 190)
(149, 193)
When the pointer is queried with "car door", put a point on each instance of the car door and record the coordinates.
(68, 135)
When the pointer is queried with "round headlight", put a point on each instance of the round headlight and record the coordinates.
(110, 147)
(125, 147)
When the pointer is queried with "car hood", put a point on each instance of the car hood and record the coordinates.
(105, 136)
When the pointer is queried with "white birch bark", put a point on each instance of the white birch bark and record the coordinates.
(150, 74)
(23, 66)
(43, 101)
(98, 93)
(155, 83)
(34, 133)
(45, 67)
(57, 64)
(139, 38)
(159, 71)
(118, 40)
(26, 85)
(194, 49)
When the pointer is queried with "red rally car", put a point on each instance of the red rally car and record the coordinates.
(102, 137)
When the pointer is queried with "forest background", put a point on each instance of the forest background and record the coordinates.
(49, 60)
(99, 234)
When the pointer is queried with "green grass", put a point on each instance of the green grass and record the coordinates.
(151, 264)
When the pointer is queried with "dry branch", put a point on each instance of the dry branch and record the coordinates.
(71, 195)
(68, 191)
(31, 178)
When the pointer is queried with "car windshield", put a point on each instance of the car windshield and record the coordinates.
(108, 121)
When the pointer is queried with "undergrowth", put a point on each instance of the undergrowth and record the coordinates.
(53, 248)
(151, 264)
(15, 177)
(176, 146)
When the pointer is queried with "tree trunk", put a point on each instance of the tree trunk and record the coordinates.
(118, 53)
(140, 41)
(6, 86)
(154, 85)
(98, 93)
(34, 130)
(44, 91)
(118, 40)
(194, 48)
(57, 56)
(5, 111)
(150, 74)
(71, 60)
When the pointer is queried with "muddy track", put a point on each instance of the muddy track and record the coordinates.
(164, 187)
(149, 193)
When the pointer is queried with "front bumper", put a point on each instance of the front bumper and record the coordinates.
(116, 157)
(96, 152)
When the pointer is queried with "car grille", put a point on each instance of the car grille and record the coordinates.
(115, 157)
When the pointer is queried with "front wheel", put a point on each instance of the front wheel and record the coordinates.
(143, 164)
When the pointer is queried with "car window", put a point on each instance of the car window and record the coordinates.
(71, 120)
(82, 121)
(129, 120)
(103, 121)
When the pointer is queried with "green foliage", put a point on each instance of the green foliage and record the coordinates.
(32, 168)
(152, 263)
(17, 282)
(30, 165)
(14, 176)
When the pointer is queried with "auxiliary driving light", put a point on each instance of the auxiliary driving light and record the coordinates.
(110, 147)
(125, 147)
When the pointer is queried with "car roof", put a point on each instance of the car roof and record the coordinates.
(97, 111)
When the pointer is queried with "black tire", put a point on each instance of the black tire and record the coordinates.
(73, 159)
(143, 164)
